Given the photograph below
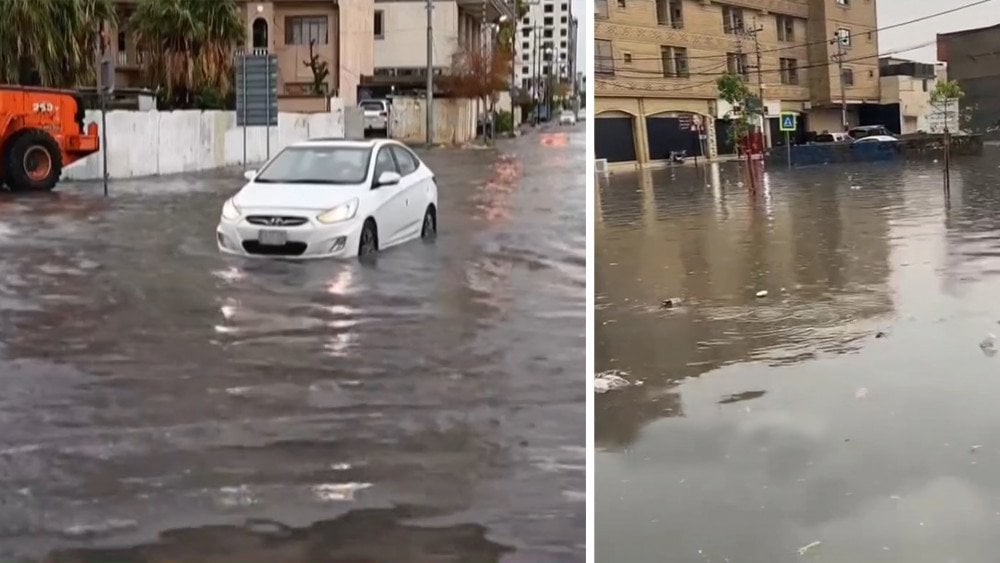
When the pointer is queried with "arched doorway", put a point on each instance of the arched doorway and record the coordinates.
(260, 34)
(614, 136)
(673, 132)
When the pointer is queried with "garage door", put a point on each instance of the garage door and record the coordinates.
(671, 134)
(614, 139)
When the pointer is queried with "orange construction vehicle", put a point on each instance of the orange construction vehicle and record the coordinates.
(41, 130)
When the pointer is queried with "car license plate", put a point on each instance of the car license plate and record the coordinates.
(272, 238)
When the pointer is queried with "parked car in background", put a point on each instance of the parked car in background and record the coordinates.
(868, 130)
(376, 115)
(878, 139)
(567, 117)
(826, 137)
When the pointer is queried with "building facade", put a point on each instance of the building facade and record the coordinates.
(973, 58)
(656, 64)
(545, 44)
(906, 88)
(400, 39)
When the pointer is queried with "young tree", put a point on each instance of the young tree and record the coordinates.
(946, 95)
(320, 70)
(478, 74)
(746, 107)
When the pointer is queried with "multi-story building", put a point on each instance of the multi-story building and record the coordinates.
(973, 58)
(657, 61)
(400, 38)
(545, 45)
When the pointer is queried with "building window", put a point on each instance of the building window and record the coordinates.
(601, 9)
(848, 77)
(604, 61)
(526, 20)
(379, 24)
(844, 36)
(736, 63)
(621, 3)
(670, 12)
(789, 71)
(548, 8)
(562, 32)
(525, 46)
(786, 28)
(628, 58)
(524, 56)
(675, 62)
(843, 2)
(565, 6)
(547, 33)
(925, 85)
(525, 70)
(732, 20)
(549, 21)
(526, 33)
(301, 30)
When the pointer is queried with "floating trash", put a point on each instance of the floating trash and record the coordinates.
(610, 381)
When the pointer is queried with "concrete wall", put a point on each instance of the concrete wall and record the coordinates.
(454, 120)
(973, 59)
(153, 142)
(404, 41)
(357, 48)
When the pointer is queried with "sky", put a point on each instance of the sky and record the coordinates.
(897, 11)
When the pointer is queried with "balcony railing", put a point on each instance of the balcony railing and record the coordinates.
(259, 51)
(126, 59)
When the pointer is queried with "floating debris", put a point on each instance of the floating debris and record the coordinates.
(989, 345)
(744, 396)
(861, 393)
(762, 293)
(855, 187)
(669, 303)
(974, 448)
(805, 549)
(881, 334)
(610, 381)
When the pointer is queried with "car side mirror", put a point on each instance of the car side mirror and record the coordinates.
(388, 179)
(250, 174)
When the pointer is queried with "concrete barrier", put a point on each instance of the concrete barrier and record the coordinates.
(149, 143)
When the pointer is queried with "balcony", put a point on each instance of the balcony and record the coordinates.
(130, 60)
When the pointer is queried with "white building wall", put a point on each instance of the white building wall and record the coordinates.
(550, 16)
(404, 39)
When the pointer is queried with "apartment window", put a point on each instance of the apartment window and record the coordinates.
(301, 30)
(732, 20)
(564, 6)
(547, 33)
(548, 9)
(844, 36)
(789, 71)
(549, 21)
(670, 12)
(601, 9)
(621, 3)
(675, 62)
(843, 2)
(525, 70)
(563, 19)
(524, 56)
(525, 46)
(628, 58)
(562, 32)
(604, 61)
(526, 33)
(786, 28)
(562, 56)
(736, 63)
(848, 77)
(379, 24)
(526, 20)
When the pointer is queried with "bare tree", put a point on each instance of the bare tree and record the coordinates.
(478, 74)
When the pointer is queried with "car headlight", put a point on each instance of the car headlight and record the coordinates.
(230, 211)
(342, 212)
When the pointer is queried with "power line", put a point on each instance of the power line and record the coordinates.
(819, 42)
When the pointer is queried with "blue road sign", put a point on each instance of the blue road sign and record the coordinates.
(788, 122)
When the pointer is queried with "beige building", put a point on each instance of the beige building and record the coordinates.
(342, 29)
(908, 85)
(657, 61)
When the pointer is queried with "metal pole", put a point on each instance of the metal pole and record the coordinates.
(243, 93)
(430, 73)
(764, 130)
(104, 106)
(843, 87)
(788, 147)
(267, 125)
(536, 93)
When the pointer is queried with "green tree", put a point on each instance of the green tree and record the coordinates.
(51, 42)
(191, 44)
(746, 107)
(946, 96)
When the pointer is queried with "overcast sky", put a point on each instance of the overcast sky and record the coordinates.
(897, 11)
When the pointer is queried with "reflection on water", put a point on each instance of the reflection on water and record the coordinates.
(149, 383)
(840, 407)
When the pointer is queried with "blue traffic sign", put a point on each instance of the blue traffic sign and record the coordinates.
(788, 122)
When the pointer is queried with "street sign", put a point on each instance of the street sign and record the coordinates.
(788, 121)
(944, 115)
(257, 90)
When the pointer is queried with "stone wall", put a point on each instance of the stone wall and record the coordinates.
(454, 120)
(149, 143)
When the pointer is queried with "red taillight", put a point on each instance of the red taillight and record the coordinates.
(383, 113)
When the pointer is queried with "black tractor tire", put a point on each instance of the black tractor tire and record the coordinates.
(32, 161)
(368, 245)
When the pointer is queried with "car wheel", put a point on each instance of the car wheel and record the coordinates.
(369, 239)
(429, 230)
(32, 161)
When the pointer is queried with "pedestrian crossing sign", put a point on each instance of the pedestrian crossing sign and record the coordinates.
(788, 122)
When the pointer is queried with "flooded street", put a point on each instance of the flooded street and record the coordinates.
(161, 402)
(849, 415)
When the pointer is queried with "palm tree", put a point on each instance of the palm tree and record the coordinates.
(191, 43)
(51, 42)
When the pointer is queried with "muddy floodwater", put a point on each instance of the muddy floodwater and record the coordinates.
(161, 402)
(851, 414)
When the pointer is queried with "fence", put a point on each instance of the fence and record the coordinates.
(150, 143)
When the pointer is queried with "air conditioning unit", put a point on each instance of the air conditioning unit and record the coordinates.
(601, 166)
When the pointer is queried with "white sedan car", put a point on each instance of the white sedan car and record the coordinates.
(878, 139)
(567, 117)
(331, 198)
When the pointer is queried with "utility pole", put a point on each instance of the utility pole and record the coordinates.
(838, 38)
(429, 102)
(536, 94)
(752, 33)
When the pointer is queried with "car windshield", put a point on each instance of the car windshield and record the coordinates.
(372, 106)
(317, 165)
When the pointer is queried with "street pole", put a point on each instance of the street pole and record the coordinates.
(102, 47)
(764, 134)
(536, 87)
(430, 73)
(843, 87)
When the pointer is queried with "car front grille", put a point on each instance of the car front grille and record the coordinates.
(287, 249)
(276, 221)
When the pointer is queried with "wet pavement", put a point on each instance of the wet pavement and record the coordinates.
(850, 415)
(161, 402)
